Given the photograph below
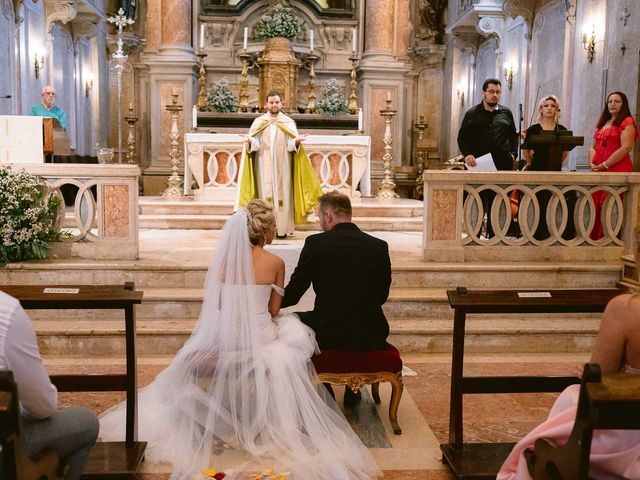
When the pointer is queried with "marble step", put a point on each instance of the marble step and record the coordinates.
(183, 305)
(368, 207)
(216, 222)
(405, 274)
(106, 337)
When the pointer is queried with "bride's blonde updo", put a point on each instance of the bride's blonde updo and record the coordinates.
(260, 217)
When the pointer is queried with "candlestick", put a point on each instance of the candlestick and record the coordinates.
(194, 117)
(243, 105)
(245, 38)
(360, 119)
(387, 186)
(353, 84)
(311, 84)
(131, 139)
(311, 40)
(174, 182)
(353, 40)
(202, 35)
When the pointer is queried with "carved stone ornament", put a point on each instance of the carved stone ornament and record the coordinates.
(523, 8)
(58, 11)
(84, 30)
(491, 26)
(428, 56)
(216, 34)
(339, 36)
(467, 42)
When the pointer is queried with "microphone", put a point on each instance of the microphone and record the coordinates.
(5, 96)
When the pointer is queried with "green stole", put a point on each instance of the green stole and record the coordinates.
(306, 187)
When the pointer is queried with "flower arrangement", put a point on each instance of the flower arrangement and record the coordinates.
(222, 99)
(332, 101)
(279, 21)
(27, 217)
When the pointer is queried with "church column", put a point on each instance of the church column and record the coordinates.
(171, 67)
(383, 70)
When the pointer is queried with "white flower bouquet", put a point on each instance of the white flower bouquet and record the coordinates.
(27, 217)
(279, 21)
(332, 101)
(222, 98)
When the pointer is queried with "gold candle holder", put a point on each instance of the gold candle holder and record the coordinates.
(387, 188)
(353, 96)
(174, 182)
(131, 139)
(311, 85)
(243, 104)
(202, 80)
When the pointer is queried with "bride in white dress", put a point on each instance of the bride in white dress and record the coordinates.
(245, 377)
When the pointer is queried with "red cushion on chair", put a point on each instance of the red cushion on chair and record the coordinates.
(339, 361)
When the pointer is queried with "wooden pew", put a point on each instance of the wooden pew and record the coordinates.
(481, 461)
(605, 402)
(117, 460)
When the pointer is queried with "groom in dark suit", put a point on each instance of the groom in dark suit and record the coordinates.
(351, 274)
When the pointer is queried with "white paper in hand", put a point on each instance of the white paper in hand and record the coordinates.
(483, 164)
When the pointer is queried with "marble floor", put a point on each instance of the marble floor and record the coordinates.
(424, 409)
(423, 414)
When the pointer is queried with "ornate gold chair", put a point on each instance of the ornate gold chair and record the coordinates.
(356, 369)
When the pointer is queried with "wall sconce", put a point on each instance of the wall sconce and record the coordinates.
(589, 43)
(88, 84)
(508, 75)
(38, 62)
(461, 94)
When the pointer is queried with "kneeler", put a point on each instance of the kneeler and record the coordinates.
(355, 369)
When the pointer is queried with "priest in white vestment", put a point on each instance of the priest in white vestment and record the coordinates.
(277, 169)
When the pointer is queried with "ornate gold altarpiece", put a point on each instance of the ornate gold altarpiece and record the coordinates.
(279, 71)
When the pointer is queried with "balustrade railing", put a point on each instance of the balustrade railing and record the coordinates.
(474, 217)
(103, 222)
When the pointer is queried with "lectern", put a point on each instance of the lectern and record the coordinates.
(558, 141)
(55, 138)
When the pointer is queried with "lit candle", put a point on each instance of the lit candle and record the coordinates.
(246, 36)
(311, 40)
(194, 117)
(353, 40)
(360, 119)
(202, 35)
(389, 96)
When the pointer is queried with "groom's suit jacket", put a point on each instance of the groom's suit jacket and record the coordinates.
(351, 274)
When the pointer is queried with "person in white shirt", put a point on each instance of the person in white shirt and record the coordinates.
(70, 432)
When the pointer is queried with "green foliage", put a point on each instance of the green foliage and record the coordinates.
(332, 101)
(279, 21)
(222, 99)
(27, 217)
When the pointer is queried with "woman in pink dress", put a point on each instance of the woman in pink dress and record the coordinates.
(616, 131)
(614, 453)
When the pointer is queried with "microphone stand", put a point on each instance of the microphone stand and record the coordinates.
(520, 120)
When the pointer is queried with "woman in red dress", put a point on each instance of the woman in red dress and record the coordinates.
(616, 131)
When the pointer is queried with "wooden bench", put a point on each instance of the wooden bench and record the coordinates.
(107, 459)
(14, 462)
(606, 401)
(483, 460)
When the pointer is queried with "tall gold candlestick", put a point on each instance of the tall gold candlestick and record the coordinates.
(202, 80)
(387, 186)
(243, 105)
(131, 139)
(311, 97)
(353, 96)
(174, 182)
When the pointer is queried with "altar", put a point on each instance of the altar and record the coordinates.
(212, 161)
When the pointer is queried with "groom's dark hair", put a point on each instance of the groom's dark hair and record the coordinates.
(337, 202)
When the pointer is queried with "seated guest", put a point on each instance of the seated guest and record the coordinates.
(614, 453)
(70, 432)
(351, 274)
(48, 107)
(537, 157)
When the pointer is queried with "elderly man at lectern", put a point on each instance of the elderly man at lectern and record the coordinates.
(48, 107)
(276, 168)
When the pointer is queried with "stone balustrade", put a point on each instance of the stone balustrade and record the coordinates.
(454, 226)
(342, 162)
(104, 224)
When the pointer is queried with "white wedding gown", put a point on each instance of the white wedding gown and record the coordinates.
(245, 379)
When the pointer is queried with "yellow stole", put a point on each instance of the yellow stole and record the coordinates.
(306, 187)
